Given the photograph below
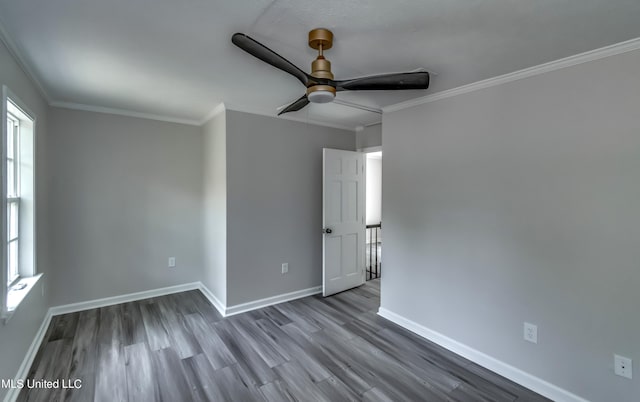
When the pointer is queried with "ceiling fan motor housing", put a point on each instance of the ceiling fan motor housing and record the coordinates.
(321, 39)
(321, 68)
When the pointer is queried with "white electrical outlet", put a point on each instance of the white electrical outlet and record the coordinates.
(285, 267)
(530, 332)
(172, 262)
(623, 366)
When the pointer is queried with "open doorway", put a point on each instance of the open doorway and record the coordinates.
(373, 208)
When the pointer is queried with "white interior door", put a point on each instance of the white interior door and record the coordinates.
(343, 220)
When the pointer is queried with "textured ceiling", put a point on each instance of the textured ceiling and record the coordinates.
(175, 58)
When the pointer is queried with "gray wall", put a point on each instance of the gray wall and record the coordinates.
(369, 137)
(126, 194)
(521, 202)
(215, 206)
(274, 184)
(18, 333)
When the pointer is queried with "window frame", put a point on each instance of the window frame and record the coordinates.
(13, 294)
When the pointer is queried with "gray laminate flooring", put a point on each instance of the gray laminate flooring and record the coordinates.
(178, 348)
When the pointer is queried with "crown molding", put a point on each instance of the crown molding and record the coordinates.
(170, 119)
(122, 112)
(592, 55)
(12, 48)
(220, 108)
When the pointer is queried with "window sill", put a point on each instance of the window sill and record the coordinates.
(17, 293)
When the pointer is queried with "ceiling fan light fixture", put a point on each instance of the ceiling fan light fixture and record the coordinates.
(321, 94)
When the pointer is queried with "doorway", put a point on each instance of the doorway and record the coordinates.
(373, 208)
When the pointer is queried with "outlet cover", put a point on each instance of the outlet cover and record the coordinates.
(172, 262)
(285, 267)
(530, 332)
(623, 366)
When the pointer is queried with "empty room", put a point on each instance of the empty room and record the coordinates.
(279, 200)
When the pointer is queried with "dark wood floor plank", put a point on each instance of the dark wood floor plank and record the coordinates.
(170, 377)
(375, 395)
(412, 344)
(85, 393)
(299, 384)
(326, 310)
(272, 353)
(248, 359)
(456, 366)
(523, 394)
(336, 390)
(315, 370)
(84, 355)
(375, 368)
(157, 334)
(180, 336)
(319, 319)
(207, 337)
(275, 315)
(331, 360)
(85, 343)
(184, 302)
(417, 363)
(199, 374)
(111, 370)
(346, 308)
(423, 376)
(294, 315)
(132, 324)
(233, 387)
(140, 373)
(277, 392)
(63, 326)
(110, 330)
(178, 348)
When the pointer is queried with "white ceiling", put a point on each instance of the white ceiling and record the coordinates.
(175, 58)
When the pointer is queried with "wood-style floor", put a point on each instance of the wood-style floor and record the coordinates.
(178, 348)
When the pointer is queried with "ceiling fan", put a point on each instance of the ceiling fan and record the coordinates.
(321, 87)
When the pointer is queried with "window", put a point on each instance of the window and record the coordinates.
(18, 196)
(13, 198)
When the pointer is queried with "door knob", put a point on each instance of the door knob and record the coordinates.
(327, 231)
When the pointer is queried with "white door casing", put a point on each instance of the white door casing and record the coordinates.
(343, 214)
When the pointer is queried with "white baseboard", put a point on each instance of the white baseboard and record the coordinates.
(221, 307)
(269, 301)
(110, 301)
(213, 299)
(226, 311)
(23, 370)
(514, 374)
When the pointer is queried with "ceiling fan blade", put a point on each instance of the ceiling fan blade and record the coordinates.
(267, 55)
(357, 106)
(295, 106)
(415, 80)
